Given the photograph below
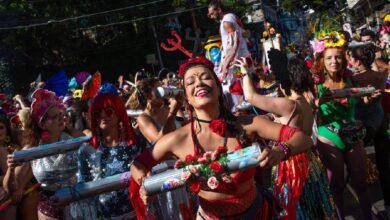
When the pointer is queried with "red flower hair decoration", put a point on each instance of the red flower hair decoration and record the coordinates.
(196, 60)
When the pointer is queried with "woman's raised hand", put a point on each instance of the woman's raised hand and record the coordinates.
(176, 103)
(11, 162)
(243, 64)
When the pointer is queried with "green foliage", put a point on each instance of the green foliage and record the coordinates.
(6, 85)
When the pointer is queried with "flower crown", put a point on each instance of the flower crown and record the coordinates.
(196, 60)
(328, 39)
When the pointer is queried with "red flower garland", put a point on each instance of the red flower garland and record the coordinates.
(215, 166)
(210, 166)
(190, 158)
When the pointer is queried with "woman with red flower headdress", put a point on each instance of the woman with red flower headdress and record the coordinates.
(111, 152)
(53, 172)
(212, 125)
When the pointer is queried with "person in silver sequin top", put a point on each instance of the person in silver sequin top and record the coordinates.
(53, 172)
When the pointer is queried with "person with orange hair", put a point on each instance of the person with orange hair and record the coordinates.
(111, 151)
(340, 136)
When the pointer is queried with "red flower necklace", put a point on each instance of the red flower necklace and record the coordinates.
(208, 167)
(217, 126)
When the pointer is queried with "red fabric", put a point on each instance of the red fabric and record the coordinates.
(137, 203)
(91, 86)
(239, 177)
(286, 132)
(264, 212)
(309, 63)
(293, 173)
(196, 60)
(147, 160)
(236, 88)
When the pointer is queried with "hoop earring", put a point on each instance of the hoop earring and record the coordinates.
(7, 139)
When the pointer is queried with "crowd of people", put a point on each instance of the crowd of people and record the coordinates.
(310, 138)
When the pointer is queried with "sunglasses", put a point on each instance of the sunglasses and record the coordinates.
(108, 112)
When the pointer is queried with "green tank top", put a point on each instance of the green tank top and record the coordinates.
(334, 113)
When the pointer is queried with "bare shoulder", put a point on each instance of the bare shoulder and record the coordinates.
(144, 119)
(251, 123)
(249, 119)
(176, 138)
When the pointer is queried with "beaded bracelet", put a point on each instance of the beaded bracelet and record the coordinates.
(285, 147)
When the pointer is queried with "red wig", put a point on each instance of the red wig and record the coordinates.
(109, 100)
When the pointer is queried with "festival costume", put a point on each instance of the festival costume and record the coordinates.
(95, 164)
(234, 46)
(256, 203)
(316, 202)
(250, 205)
(56, 172)
(332, 114)
(289, 178)
(336, 123)
(301, 185)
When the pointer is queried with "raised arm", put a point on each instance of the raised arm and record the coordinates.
(162, 150)
(149, 129)
(279, 106)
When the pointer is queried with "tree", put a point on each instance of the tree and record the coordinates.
(115, 42)
(6, 85)
(79, 43)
